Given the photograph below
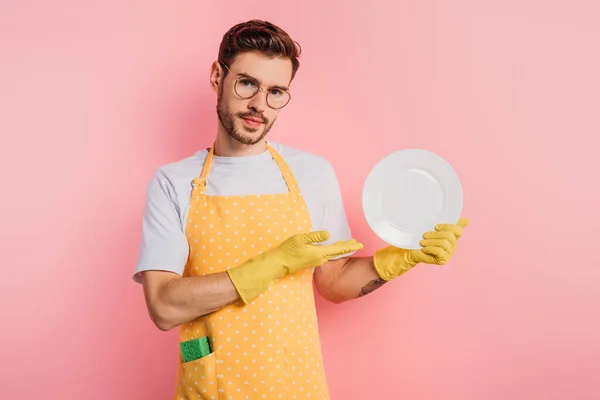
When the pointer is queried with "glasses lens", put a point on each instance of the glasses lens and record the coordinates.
(278, 98)
(246, 88)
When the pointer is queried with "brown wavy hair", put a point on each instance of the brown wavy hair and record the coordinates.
(260, 36)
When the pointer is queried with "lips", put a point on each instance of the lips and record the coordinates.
(252, 123)
(256, 120)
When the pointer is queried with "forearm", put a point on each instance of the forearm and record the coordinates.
(347, 279)
(181, 300)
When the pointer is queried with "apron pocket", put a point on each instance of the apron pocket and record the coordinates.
(198, 379)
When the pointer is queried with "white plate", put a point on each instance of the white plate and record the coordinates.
(407, 193)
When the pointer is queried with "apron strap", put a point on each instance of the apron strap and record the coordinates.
(286, 172)
(199, 183)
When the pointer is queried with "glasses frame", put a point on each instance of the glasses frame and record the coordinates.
(260, 89)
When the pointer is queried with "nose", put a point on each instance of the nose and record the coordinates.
(258, 103)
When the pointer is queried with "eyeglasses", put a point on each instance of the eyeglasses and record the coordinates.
(247, 87)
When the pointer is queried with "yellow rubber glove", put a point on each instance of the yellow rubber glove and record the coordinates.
(297, 252)
(438, 248)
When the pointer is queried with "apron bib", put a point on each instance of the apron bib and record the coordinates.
(270, 348)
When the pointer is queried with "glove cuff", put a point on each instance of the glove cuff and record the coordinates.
(390, 262)
(256, 274)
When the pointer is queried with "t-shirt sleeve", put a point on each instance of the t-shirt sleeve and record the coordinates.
(163, 244)
(333, 217)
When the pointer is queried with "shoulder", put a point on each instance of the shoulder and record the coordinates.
(187, 168)
(176, 176)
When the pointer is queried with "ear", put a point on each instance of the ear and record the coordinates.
(216, 76)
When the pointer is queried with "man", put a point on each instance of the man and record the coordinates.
(235, 235)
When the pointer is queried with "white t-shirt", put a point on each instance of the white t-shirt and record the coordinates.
(164, 244)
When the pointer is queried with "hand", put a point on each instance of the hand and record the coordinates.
(438, 248)
(297, 252)
(300, 251)
(440, 245)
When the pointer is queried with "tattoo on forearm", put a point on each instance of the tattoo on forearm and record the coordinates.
(371, 286)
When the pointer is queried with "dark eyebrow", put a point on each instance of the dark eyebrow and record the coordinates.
(244, 75)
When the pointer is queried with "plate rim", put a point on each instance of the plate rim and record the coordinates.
(390, 156)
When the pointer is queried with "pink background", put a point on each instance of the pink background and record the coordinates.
(96, 94)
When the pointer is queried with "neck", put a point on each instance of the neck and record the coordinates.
(226, 146)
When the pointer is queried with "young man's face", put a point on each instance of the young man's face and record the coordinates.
(249, 120)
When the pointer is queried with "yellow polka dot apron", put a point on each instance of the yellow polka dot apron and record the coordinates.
(270, 348)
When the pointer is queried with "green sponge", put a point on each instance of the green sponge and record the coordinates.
(194, 349)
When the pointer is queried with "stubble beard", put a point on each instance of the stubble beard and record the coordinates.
(228, 121)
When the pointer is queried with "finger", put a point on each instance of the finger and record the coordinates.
(451, 237)
(456, 229)
(439, 255)
(313, 237)
(347, 247)
(417, 256)
(342, 247)
(445, 244)
(345, 241)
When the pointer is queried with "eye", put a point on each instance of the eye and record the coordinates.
(247, 83)
(277, 92)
